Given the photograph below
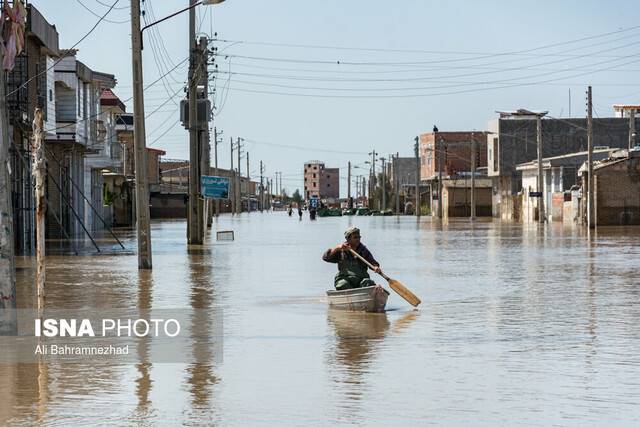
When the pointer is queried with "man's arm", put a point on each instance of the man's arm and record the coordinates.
(332, 254)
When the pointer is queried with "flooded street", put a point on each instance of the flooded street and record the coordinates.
(518, 326)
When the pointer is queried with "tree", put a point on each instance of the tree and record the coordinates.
(296, 196)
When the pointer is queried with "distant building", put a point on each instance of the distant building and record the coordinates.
(321, 182)
(616, 185)
(330, 183)
(452, 151)
(512, 140)
(403, 171)
(559, 175)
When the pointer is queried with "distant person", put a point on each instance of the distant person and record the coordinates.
(290, 210)
(299, 211)
(352, 273)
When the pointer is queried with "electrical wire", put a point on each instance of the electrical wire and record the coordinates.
(98, 16)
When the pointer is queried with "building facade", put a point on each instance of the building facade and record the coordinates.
(452, 152)
(321, 182)
(512, 140)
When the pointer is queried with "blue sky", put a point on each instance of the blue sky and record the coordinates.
(404, 66)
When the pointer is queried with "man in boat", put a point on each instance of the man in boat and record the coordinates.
(352, 273)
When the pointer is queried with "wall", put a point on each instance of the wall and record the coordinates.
(330, 183)
(457, 201)
(617, 197)
(455, 151)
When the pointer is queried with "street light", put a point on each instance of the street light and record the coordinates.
(203, 2)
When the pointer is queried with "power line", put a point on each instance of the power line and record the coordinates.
(98, 16)
(483, 55)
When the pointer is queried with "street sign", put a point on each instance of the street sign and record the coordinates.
(313, 202)
(535, 193)
(215, 187)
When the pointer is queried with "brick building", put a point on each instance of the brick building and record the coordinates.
(452, 150)
(321, 182)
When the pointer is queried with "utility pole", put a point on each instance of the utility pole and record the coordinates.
(416, 149)
(348, 181)
(261, 188)
(632, 128)
(364, 188)
(203, 132)
(215, 151)
(541, 213)
(396, 178)
(194, 216)
(473, 177)
(440, 153)
(372, 180)
(39, 172)
(143, 227)
(248, 186)
(590, 213)
(383, 184)
(232, 181)
(239, 186)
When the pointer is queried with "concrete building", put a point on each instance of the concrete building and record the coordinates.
(29, 85)
(81, 150)
(559, 175)
(403, 173)
(616, 189)
(321, 182)
(330, 183)
(456, 197)
(512, 141)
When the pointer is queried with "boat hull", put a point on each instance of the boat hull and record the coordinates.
(371, 299)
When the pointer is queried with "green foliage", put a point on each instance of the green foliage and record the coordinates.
(107, 195)
(296, 196)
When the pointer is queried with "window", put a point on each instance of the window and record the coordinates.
(314, 184)
(328, 185)
(314, 175)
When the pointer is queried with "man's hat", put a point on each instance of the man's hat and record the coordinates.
(351, 230)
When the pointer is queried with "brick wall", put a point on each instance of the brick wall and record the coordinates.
(455, 151)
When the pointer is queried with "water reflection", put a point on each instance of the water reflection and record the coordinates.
(144, 381)
(358, 338)
(200, 376)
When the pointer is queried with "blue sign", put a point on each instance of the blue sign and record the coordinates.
(215, 187)
(313, 203)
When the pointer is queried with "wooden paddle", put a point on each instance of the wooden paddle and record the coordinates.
(398, 287)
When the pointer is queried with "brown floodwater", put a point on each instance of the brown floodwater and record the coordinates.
(518, 326)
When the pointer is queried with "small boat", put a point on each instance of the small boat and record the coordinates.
(371, 298)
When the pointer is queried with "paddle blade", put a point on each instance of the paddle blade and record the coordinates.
(405, 293)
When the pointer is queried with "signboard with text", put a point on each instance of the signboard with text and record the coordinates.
(215, 187)
(535, 193)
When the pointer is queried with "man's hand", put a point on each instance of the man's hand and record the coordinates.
(377, 269)
(345, 247)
